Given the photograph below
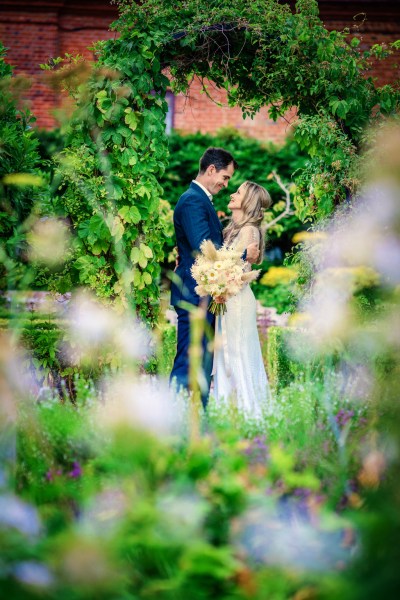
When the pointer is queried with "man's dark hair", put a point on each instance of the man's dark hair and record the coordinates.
(218, 157)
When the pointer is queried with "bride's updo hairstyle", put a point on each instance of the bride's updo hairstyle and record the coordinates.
(255, 201)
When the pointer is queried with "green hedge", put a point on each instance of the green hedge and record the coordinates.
(289, 356)
(278, 362)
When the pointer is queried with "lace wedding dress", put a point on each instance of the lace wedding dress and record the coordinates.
(239, 374)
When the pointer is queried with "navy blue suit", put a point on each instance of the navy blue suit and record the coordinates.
(195, 220)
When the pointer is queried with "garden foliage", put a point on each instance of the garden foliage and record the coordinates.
(108, 508)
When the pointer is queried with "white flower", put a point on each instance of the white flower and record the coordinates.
(212, 275)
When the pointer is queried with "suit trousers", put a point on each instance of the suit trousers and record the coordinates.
(180, 371)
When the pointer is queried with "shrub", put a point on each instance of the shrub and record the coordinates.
(275, 286)
(20, 180)
(278, 361)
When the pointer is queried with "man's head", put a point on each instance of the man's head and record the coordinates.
(215, 169)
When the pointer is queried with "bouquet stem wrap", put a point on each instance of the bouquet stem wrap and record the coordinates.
(217, 308)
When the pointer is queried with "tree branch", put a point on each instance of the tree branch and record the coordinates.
(288, 208)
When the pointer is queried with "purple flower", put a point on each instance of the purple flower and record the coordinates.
(302, 493)
(76, 470)
(344, 416)
(257, 451)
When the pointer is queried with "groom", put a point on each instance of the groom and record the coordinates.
(195, 220)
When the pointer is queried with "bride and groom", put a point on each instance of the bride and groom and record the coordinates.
(236, 363)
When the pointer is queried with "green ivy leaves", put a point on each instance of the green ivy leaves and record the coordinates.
(339, 107)
(141, 255)
(131, 118)
(130, 214)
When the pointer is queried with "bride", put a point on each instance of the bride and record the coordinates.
(239, 373)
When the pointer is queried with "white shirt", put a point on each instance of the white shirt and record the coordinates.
(204, 189)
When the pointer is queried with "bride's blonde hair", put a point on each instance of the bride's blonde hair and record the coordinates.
(255, 200)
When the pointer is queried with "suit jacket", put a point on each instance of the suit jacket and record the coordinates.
(195, 220)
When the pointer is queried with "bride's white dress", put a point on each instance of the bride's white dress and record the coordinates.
(239, 373)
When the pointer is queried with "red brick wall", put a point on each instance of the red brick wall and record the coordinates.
(194, 111)
(36, 31)
(31, 39)
(377, 32)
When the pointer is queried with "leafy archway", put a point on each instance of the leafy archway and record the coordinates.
(262, 54)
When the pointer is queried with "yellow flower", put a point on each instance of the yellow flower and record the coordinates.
(279, 276)
(352, 278)
(365, 277)
(309, 236)
(299, 319)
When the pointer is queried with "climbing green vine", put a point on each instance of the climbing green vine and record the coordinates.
(109, 175)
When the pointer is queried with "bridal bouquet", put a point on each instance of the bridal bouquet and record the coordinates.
(220, 274)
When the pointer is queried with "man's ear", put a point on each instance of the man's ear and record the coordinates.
(211, 169)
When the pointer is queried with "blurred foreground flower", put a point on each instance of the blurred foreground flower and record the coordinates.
(298, 319)
(16, 514)
(361, 253)
(33, 574)
(146, 403)
(95, 329)
(368, 236)
(15, 383)
(182, 513)
(83, 562)
(104, 512)
(49, 241)
(349, 279)
(23, 179)
(308, 237)
(373, 468)
(268, 535)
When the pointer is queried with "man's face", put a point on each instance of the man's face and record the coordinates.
(216, 180)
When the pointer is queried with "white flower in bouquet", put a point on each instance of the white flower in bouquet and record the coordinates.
(220, 274)
(212, 275)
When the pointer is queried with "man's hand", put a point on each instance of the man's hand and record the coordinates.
(252, 253)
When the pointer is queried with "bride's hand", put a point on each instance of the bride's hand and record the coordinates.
(252, 253)
(219, 299)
